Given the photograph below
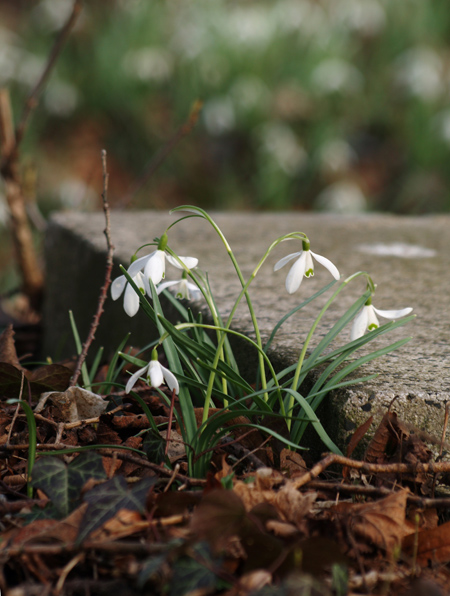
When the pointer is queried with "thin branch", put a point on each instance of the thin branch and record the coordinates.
(33, 98)
(160, 157)
(109, 266)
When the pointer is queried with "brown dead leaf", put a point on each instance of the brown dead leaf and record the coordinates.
(74, 404)
(47, 530)
(432, 545)
(290, 504)
(219, 515)
(357, 436)
(376, 450)
(381, 523)
(124, 523)
(8, 348)
(293, 463)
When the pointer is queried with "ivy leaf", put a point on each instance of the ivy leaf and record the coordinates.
(11, 380)
(105, 500)
(62, 483)
(154, 446)
(51, 377)
(193, 573)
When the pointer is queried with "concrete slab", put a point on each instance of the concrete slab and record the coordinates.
(408, 258)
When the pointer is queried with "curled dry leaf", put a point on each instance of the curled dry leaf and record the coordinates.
(74, 404)
(290, 503)
(8, 352)
(381, 523)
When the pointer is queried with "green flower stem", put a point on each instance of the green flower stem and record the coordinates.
(224, 331)
(298, 370)
(201, 213)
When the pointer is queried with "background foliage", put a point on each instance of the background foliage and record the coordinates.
(308, 104)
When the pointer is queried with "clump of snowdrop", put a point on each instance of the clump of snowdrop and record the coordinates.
(201, 363)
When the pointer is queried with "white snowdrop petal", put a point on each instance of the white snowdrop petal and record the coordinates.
(138, 264)
(155, 267)
(359, 324)
(155, 374)
(327, 264)
(130, 301)
(295, 276)
(282, 262)
(134, 377)
(393, 314)
(118, 286)
(189, 262)
(170, 379)
(166, 284)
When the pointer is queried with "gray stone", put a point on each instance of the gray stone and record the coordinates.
(407, 257)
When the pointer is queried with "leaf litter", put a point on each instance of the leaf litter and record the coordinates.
(114, 509)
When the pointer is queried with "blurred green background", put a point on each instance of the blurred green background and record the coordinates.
(338, 105)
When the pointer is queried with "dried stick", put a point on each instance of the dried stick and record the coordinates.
(104, 288)
(159, 158)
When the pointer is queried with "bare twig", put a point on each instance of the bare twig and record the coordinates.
(159, 158)
(104, 289)
(33, 99)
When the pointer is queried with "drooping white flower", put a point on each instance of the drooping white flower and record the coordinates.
(154, 264)
(367, 320)
(155, 374)
(304, 266)
(131, 298)
(185, 291)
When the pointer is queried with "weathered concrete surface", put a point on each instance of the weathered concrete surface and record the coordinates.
(408, 258)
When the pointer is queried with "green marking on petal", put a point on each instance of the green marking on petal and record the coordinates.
(372, 326)
(309, 273)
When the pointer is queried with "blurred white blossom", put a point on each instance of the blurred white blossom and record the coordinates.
(52, 14)
(149, 64)
(366, 17)
(336, 157)
(250, 93)
(303, 15)
(344, 196)
(29, 69)
(61, 98)
(218, 115)
(280, 142)
(419, 71)
(74, 193)
(249, 25)
(336, 75)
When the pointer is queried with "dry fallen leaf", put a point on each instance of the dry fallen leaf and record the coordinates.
(381, 523)
(74, 404)
(432, 545)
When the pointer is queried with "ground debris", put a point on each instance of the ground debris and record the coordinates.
(135, 520)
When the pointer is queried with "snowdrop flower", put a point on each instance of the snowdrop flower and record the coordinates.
(154, 264)
(366, 319)
(156, 375)
(304, 266)
(186, 290)
(131, 298)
